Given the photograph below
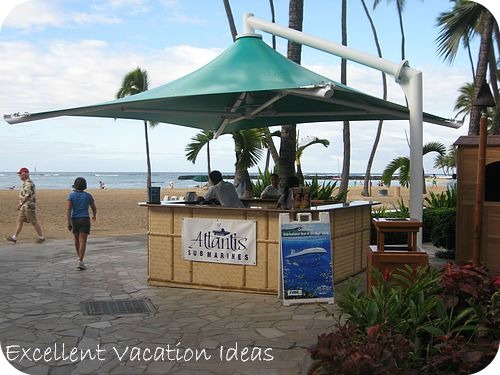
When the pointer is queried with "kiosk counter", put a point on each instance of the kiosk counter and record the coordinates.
(167, 266)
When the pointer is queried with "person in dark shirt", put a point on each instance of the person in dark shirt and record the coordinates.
(78, 217)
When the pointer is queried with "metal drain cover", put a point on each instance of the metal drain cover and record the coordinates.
(116, 307)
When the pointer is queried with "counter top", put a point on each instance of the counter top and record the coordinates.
(326, 207)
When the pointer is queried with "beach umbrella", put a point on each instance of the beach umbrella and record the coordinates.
(249, 85)
(200, 178)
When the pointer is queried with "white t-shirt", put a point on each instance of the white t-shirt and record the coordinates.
(270, 192)
(225, 193)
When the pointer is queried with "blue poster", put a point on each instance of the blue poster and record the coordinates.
(307, 262)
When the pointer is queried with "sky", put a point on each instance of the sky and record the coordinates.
(59, 54)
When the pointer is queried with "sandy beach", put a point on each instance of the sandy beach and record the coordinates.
(118, 211)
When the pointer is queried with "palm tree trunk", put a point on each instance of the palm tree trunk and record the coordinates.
(300, 175)
(268, 139)
(495, 129)
(401, 27)
(208, 158)
(230, 19)
(496, 124)
(469, 52)
(268, 161)
(346, 164)
(148, 159)
(273, 17)
(482, 65)
(289, 132)
(366, 184)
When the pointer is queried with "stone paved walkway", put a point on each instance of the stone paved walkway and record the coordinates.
(40, 294)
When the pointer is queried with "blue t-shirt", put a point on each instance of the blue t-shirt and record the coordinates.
(81, 201)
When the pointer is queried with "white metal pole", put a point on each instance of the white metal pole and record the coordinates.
(409, 79)
(251, 23)
(412, 87)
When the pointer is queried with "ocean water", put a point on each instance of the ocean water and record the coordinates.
(111, 180)
(130, 180)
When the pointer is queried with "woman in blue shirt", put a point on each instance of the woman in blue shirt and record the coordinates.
(78, 216)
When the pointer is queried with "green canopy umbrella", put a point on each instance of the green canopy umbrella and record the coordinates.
(249, 85)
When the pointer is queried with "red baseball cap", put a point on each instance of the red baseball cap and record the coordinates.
(23, 170)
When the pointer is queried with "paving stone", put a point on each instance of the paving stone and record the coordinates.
(270, 333)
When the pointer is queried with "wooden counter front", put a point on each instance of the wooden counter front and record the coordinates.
(350, 238)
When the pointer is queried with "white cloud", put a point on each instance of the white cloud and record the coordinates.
(34, 15)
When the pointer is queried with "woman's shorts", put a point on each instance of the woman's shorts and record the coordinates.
(81, 225)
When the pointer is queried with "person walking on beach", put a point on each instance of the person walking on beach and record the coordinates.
(434, 180)
(78, 217)
(26, 207)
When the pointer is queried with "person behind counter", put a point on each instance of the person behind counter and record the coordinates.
(222, 191)
(286, 200)
(273, 190)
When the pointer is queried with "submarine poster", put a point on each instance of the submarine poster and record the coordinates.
(306, 260)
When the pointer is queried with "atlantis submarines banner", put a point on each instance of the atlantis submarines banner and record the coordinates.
(306, 259)
(219, 241)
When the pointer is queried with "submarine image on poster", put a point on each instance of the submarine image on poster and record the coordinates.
(222, 232)
(307, 257)
(311, 250)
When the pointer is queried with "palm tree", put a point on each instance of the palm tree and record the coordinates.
(448, 161)
(248, 151)
(289, 132)
(301, 146)
(346, 131)
(198, 142)
(400, 4)
(366, 184)
(135, 82)
(402, 163)
(268, 143)
(247, 148)
(461, 23)
(230, 19)
(465, 103)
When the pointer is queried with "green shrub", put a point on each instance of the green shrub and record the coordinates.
(326, 191)
(440, 227)
(447, 199)
(416, 321)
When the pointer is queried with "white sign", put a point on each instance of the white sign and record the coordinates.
(219, 241)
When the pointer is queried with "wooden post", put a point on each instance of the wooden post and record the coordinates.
(481, 160)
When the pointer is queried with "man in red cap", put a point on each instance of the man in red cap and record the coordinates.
(26, 207)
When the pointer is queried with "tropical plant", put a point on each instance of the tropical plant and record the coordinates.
(465, 103)
(465, 20)
(135, 82)
(447, 162)
(248, 151)
(402, 163)
(199, 141)
(447, 199)
(301, 146)
(325, 191)
(426, 320)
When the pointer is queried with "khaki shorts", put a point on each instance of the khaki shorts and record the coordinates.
(27, 216)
